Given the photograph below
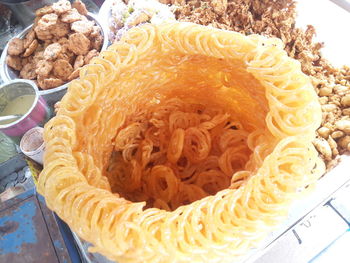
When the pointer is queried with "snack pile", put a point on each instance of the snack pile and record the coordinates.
(277, 18)
(153, 118)
(61, 41)
(126, 14)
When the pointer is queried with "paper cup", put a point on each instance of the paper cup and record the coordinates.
(32, 144)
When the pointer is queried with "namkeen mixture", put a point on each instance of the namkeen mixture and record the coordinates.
(277, 18)
(61, 41)
(125, 14)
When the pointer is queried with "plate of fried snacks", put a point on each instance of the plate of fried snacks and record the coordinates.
(63, 38)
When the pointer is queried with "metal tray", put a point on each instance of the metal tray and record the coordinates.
(6, 73)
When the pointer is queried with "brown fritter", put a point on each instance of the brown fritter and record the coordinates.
(61, 29)
(96, 31)
(83, 26)
(29, 38)
(96, 42)
(79, 44)
(27, 60)
(14, 62)
(42, 33)
(43, 68)
(52, 51)
(79, 62)
(48, 21)
(32, 47)
(16, 47)
(92, 53)
(68, 56)
(63, 41)
(80, 6)
(45, 25)
(62, 6)
(71, 16)
(39, 55)
(74, 75)
(28, 71)
(44, 10)
(62, 69)
(49, 82)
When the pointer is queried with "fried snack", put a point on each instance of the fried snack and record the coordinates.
(84, 27)
(50, 50)
(79, 44)
(92, 53)
(71, 16)
(16, 47)
(49, 82)
(44, 11)
(133, 84)
(43, 68)
(30, 37)
(43, 34)
(28, 71)
(14, 62)
(74, 75)
(62, 6)
(31, 48)
(96, 42)
(79, 5)
(79, 62)
(48, 21)
(62, 69)
(61, 29)
(278, 19)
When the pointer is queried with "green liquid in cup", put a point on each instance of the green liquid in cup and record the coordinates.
(19, 105)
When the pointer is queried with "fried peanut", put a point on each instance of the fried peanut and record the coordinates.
(323, 147)
(16, 47)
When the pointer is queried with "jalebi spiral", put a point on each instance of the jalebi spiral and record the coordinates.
(170, 115)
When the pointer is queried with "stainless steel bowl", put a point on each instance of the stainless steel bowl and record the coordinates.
(7, 73)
